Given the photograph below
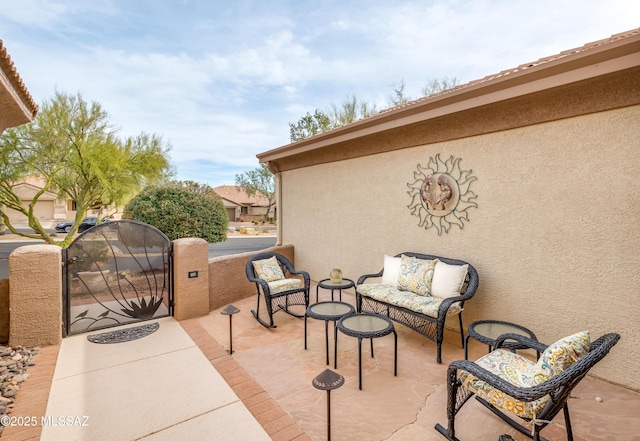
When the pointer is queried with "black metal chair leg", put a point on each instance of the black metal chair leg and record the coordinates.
(256, 314)
(262, 322)
(466, 348)
(567, 422)
(305, 332)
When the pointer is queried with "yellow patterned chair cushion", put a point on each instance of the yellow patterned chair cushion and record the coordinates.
(284, 285)
(268, 269)
(522, 372)
(427, 305)
(416, 275)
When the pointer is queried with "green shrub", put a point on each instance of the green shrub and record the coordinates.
(180, 212)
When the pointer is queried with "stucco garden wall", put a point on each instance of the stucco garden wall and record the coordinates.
(33, 300)
(227, 278)
(4, 310)
(554, 238)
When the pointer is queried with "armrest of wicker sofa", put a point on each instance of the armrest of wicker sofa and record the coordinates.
(362, 278)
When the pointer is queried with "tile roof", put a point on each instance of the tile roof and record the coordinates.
(12, 74)
(541, 61)
(239, 196)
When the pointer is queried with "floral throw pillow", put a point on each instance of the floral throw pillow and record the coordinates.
(562, 354)
(416, 275)
(268, 269)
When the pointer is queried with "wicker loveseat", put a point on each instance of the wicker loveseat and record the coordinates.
(419, 291)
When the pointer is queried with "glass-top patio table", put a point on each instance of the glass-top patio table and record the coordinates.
(488, 331)
(367, 325)
(327, 311)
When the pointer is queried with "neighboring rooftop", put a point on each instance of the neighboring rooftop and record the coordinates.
(239, 196)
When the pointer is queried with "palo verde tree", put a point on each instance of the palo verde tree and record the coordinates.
(353, 109)
(309, 125)
(259, 181)
(74, 150)
(350, 110)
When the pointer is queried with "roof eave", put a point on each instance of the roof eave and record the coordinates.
(18, 107)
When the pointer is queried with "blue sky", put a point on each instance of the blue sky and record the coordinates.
(221, 80)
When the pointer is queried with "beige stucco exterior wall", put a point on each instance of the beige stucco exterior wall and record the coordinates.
(35, 299)
(555, 237)
(4, 310)
(190, 278)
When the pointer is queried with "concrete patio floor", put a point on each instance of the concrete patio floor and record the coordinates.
(180, 383)
(391, 408)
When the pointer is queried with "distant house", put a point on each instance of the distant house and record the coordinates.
(242, 207)
(48, 207)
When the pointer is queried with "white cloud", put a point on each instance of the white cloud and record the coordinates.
(221, 81)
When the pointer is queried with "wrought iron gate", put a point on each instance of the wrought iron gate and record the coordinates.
(116, 273)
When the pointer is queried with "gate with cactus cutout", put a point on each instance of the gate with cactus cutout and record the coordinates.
(116, 273)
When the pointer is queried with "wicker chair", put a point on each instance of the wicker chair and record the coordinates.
(288, 288)
(556, 389)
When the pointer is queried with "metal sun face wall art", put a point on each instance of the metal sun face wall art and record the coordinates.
(440, 194)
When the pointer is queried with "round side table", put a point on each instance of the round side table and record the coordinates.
(367, 325)
(487, 332)
(328, 284)
(327, 311)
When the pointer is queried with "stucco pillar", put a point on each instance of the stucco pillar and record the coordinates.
(190, 278)
(35, 295)
(4, 310)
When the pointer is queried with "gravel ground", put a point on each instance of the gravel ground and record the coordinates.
(14, 362)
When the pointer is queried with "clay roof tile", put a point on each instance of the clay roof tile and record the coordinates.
(541, 61)
(6, 64)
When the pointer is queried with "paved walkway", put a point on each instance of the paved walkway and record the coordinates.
(145, 390)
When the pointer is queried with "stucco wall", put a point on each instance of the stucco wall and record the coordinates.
(4, 310)
(190, 278)
(554, 238)
(35, 301)
(227, 278)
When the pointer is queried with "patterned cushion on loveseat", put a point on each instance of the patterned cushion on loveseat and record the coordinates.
(427, 305)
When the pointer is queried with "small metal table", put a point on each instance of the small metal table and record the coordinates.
(487, 332)
(328, 284)
(367, 325)
(327, 311)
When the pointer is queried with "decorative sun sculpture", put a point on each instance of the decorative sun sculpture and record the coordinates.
(440, 194)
